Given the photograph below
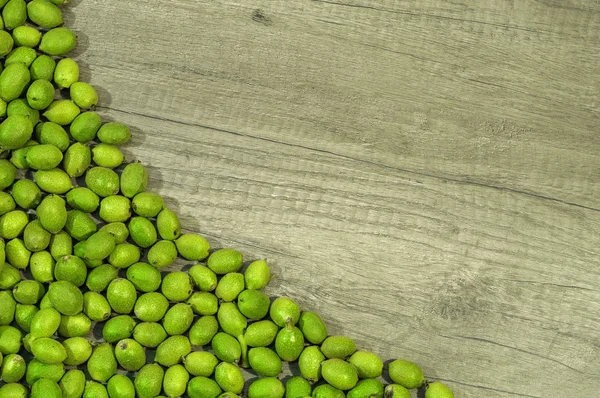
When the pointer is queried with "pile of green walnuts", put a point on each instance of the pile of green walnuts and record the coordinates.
(85, 310)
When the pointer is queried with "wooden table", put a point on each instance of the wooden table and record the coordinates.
(423, 174)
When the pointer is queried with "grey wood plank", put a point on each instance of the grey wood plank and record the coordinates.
(422, 174)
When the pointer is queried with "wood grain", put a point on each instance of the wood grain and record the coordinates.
(424, 174)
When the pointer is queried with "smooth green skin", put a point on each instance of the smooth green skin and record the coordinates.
(22, 108)
(19, 157)
(229, 377)
(72, 384)
(71, 269)
(26, 194)
(13, 368)
(66, 72)
(178, 319)
(115, 208)
(200, 363)
(203, 387)
(6, 43)
(192, 247)
(104, 182)
(24, 314)
(99, 246)
(80, 225)
(99, 278)
(371, 388)
(177, 286)
(120, 386)
(77, 160)
(224, 261)
(149, 334)
(230, 286)
(130, 354)
(142, 231)
(102, 364)
(84, 95)
(9, 277)
(368, 365)
(203, 330)
(54, 181)
(109, 156)
(257, 275)
(309, 363)
(267, 387)
(44, 157)
(121, 296)
(53, 134)
(338, 347)
(118, 328)
(28, 292)
(17, 254)
(327, 391)
(83, 199)
(144, 277)
(52, 213)
(23, 55)
(147, 204)
(43, 67)
(41, 265)
(15, 130)
(45, 388)
(35, 237)
(61, 244)
(85, 126)
(37, 370)
(25, 36)
(297, 387)
(7, 203)
(284, 310)
(339, 373)
(231, 319)
(204, 303)
(13, 390)
(74, 326)
(62, 111)
(261, 333)
(204, 278)
(78, 351)
(118, 230)
(148, 381)
(96, 307)
(175, 381)
(114, 133)
(253, 304)
(48, 350)
(13, 81)
(168, 224)
(45, 322)
(172, 350)
(289, 343)
(65, 297)
(406, 373)
(151, 307)
(44, 13)
(94, 390)
(264, 361)
(124, 255)
(226, 347)
(40, 94)
(438, 390)
(58, 41)
(8, 173)
(14, 14)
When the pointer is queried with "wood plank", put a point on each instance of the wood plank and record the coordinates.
(423, 174)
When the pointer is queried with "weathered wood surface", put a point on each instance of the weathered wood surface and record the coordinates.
(424, 174)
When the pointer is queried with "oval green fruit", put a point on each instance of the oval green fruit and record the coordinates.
(177, 286)
(118, 328)
(406, 373)
(62, 112)
(78, 351)
(172, 350)
(149, 334)
(369, 365)
(104, 182)
(142, 231)
(229, 377)
(45, 388)
(120, 386)
(114, 133)
(264, 361)
(130, 354)
(289, 343)
(84, 95)
(144, 277)
(178, 319)
(339, 373)
(192, 247)
(168, 224)
(257, 275)
(58, 41)
(266, 387)
(438, 390)
(44, 13)
(151, 307)
(254, 304)
(83, 199)
(44, 157)
(226, 347)
(43, 67)
(96, 307)
(148, 381)
(121, 295)
(109, 156)
(26, 194)
(54, 181)
(72, 384)
(71, 269)
(175, 381)
(13, 368)
(14, 14)
(48, 350)
(23, 35)
(52, 213)
(15, 130)
(147, 204)
(102, 364)
(261, 333)
(203, 330)
(200, 363)
(53, 134)
(297, 387)
(284, 311)
(77, 160)
(224, 261)
(309, 363)
(40, 94)
(65, 74)
(162, 254)
(65, 297)
(338, 347)
(204, 278)
(371, 388)
(45, 322)
(6, 42)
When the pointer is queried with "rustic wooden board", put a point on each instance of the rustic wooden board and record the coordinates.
(424, 174)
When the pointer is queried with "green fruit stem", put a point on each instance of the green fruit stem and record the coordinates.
(242, 340)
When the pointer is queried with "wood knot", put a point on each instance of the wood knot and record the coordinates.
(258, 15)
